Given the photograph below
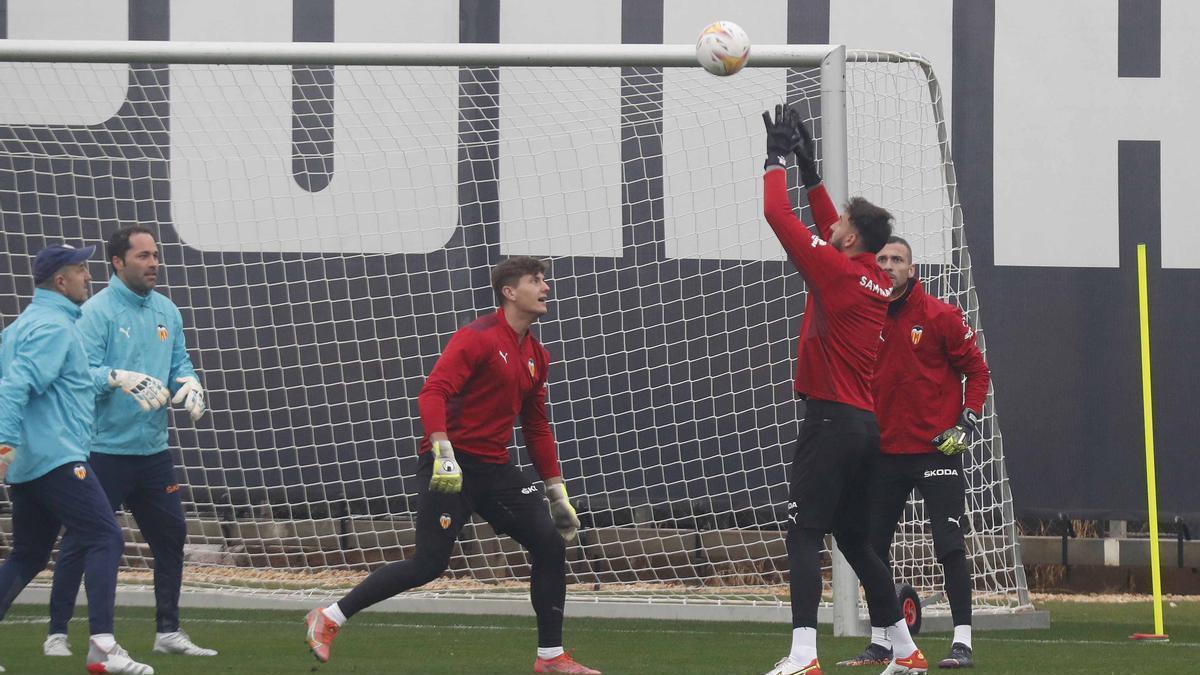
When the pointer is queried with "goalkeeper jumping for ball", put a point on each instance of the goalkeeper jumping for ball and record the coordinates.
(926, 422)
(492, 371)
(838, 442)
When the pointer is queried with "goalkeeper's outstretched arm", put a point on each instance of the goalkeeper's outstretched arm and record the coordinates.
(812, 255)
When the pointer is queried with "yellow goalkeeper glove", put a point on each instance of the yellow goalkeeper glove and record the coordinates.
(447, 475)
(956, 439)
(565, 520)
(951, 442)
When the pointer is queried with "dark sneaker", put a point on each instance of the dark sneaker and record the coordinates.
(960, 656)
(873, 655)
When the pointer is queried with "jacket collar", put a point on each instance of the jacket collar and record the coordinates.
(58, 301)
(912, 294)
(126, 294)
(508, 330)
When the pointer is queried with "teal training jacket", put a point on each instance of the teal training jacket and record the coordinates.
(144, 333)
(47, 395)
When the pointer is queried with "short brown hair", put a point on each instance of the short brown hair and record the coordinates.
(509, 273)
(903, 242)
(118, 244)
(874, 223)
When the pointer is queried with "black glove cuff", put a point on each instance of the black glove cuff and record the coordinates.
(775, 160)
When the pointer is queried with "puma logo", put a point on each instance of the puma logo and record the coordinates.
(504, 356)
(124, 331)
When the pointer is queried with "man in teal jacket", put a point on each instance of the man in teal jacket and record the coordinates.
(130, 326)
(47, 408)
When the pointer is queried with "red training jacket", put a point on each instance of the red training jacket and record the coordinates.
(480, 384)
(928, 347)
(847, 300)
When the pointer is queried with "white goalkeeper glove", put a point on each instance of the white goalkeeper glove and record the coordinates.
(447, 476)
(7, 454)
(565, 520)
(148, 391)
(191, 395)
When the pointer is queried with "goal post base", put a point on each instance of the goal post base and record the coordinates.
(518, 605)
(477, 604)
(1022, 620)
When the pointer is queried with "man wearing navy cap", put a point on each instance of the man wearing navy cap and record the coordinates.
(47, 412)
(129, 325)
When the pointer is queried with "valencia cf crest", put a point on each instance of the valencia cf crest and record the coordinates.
(444, 521)
(80, 471)
(532, 369)
(162, 333)
(916, 334)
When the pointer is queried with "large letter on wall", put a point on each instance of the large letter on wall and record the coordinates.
(1060, 111)
(394, 182)
(64, 93)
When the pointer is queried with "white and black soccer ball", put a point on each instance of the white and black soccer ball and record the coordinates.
(723, 48)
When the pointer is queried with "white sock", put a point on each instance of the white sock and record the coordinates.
(550, 652)
(804, 645)
(104, 641)
(163, 635)
(879, 636)
(962, 634)
(334, 614)
(902, 642)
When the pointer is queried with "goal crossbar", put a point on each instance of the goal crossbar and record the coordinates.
(388, 54)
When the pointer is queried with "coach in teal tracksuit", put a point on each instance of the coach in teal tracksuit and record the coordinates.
(47, 404)
(129, 326)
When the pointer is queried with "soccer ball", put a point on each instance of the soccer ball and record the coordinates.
(723, 48)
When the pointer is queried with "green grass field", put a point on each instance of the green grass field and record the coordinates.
(1085, 638)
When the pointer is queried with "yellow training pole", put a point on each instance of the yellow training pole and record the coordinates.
(1148, 415)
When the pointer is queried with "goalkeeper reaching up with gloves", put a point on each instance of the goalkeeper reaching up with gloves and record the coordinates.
(839, 440)
(492, 371)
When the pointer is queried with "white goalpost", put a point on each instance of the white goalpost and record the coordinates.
(328, 214)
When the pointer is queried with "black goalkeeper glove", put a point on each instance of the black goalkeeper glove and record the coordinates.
(806, 155)
(782, 135)
(969, 420)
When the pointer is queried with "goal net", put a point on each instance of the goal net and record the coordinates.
(325, 229)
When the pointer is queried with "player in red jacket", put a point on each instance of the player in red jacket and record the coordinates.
(839, 439)
(492, 372)
(926, 420)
